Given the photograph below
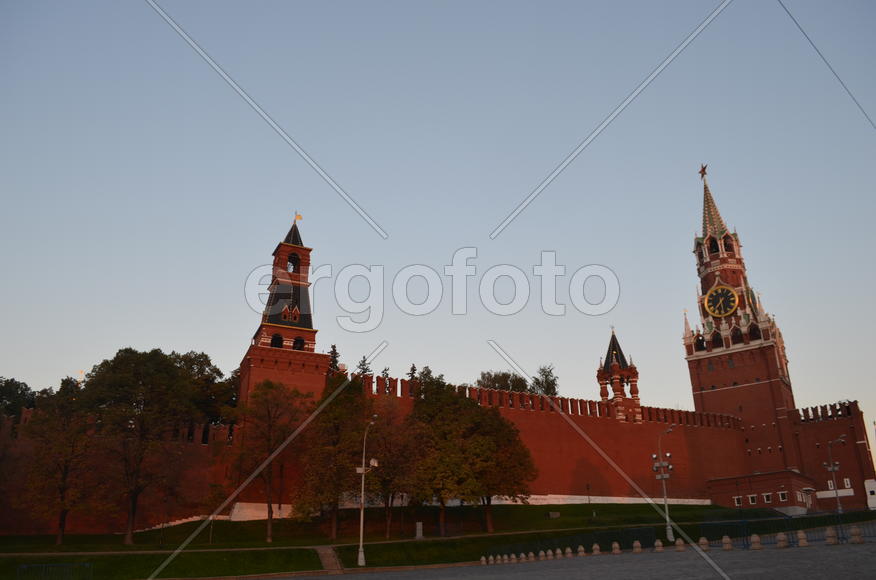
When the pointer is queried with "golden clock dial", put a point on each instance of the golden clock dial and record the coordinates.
(721, 301)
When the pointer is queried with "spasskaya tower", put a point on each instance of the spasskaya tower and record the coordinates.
(736, 355)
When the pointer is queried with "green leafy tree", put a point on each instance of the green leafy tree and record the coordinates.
(59, 429)
(271, 414)
(331, 450)
(509, 468)
(390, 442)
(15, 395)
(334, 361)
(212, 394)
(139, 399)
(363, 368)
(451, 453)
(385, 374)
(502, 380)
(545, 382)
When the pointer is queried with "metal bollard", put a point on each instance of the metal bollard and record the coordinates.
(658, 546)
(704, 544)
(726, 543)
(679, 545)
(637, 547)
(581, 552)
(596, 551)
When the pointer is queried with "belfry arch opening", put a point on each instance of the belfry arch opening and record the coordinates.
(713, 246)
(293, 263)
(717, 341)
(754, 332)
(277, 341)
(736, 336)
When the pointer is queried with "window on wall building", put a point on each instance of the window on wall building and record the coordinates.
(767, 498)
(847, 483)
(737, 500)
(799, 497)
(783, 496)
(752, 499)
(829, 484)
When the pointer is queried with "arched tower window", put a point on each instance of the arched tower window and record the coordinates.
(736, 336)
(277, 341)
(728, 244)
(293, 263)
(717, 341)
(298, 343)
(713, 246)
(699, 342)
(754, 332)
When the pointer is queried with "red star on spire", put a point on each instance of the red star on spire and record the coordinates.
(703, 171)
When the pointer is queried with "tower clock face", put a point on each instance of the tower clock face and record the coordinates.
(721, 301)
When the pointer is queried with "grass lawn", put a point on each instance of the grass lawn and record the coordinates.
(186, 565)
(436, 551)
(460, 521)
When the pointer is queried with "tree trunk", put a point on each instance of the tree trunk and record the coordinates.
(62, 526)
(442, 528)
(387, 502)
(269, 530)
(334, 523)
(62, 514)
(132, 515)
(488, 512)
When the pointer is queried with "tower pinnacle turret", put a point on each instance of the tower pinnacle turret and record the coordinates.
(713, 223)
(618, 374)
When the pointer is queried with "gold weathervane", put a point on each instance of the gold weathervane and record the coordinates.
(297, 217)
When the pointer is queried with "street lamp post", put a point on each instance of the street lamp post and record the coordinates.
(662, 467)
(363, 470)
(833, 466)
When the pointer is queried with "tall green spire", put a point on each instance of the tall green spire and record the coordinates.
(713, 223)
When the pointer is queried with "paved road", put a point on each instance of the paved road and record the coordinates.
(817, 561)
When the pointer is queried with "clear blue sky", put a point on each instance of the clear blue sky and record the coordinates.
(139, 190)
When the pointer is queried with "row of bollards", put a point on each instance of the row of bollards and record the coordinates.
(830, 535)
